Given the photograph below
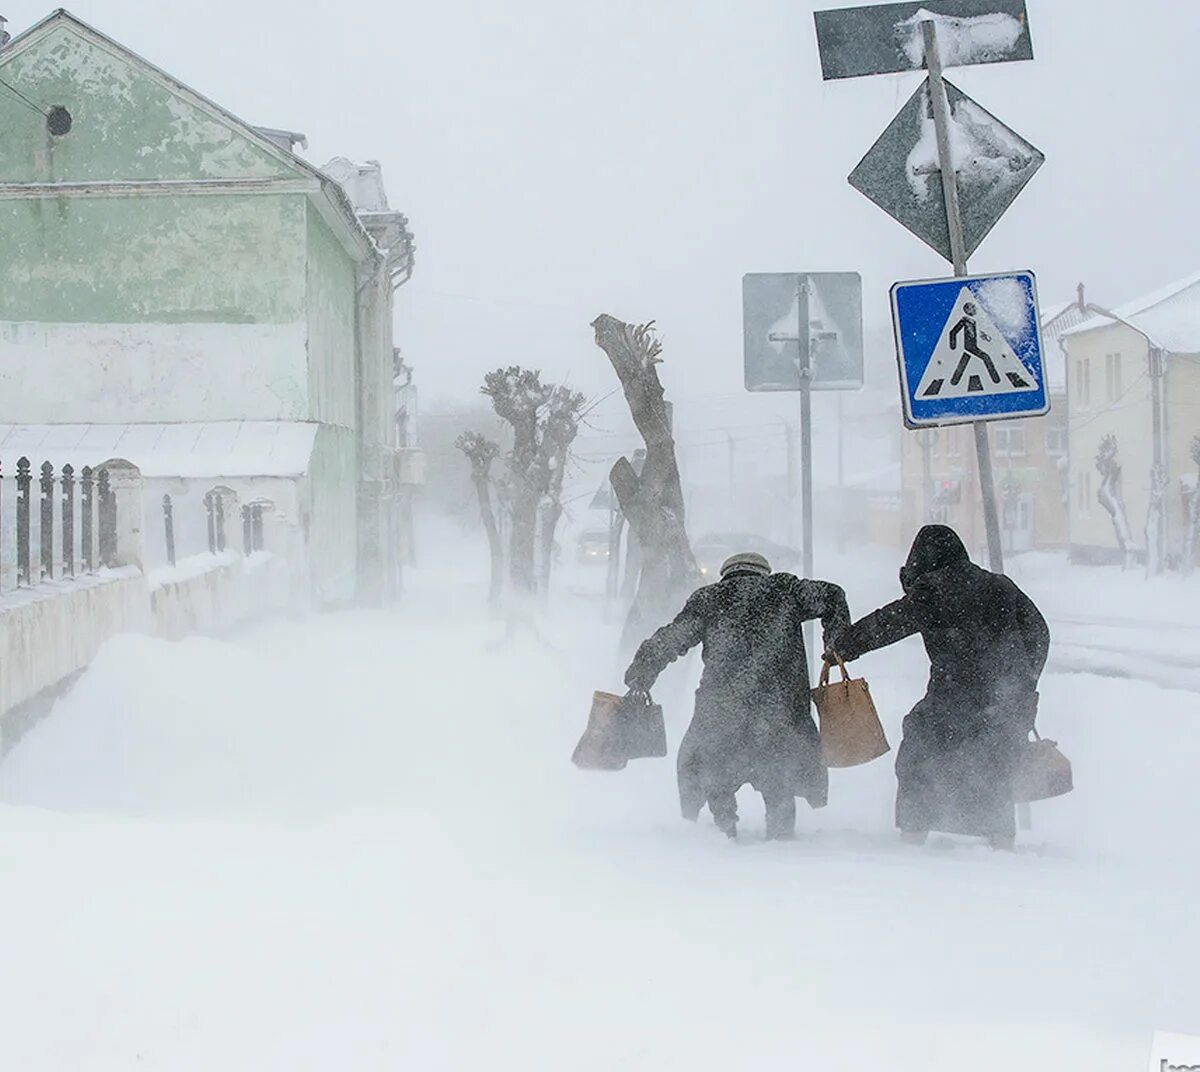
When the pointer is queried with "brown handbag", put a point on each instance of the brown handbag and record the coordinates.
(1042, 772)
(851, 733)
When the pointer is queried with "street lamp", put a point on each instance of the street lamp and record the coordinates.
(1156, 369)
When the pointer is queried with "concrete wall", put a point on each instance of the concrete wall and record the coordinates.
(51, 632)
(153, 309)
(327, 510)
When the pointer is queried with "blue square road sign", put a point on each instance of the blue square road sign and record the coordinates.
(969, 349)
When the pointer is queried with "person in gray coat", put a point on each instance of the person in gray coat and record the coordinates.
(753, 720)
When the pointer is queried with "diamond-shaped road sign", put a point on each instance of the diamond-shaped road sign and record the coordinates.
(970, 349)
(900, 172)
(820, 312)
(886, 38)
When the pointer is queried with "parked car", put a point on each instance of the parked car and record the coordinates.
(592, 546)
(714, 548)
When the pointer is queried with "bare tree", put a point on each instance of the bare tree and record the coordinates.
(1191, 531)
(481, 452)
(1110, 497)
(653, 501)
(544, 419)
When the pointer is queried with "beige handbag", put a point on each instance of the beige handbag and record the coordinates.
(1042, 772)
(851, 733)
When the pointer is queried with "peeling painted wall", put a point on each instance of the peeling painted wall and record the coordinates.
(127, 123)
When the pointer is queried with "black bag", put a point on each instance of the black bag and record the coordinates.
(621, 728)
(643, 732)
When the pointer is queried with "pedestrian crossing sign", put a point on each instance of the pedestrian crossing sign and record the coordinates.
(969, 349)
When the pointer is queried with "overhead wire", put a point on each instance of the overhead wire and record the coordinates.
(24, 99)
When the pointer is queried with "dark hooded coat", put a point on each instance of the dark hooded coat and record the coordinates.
(753, 720)
(987, 644)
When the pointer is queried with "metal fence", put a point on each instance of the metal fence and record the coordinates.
(57, 523)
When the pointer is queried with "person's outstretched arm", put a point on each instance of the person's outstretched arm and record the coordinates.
(668, 643)
(885, 626)
(826, 601)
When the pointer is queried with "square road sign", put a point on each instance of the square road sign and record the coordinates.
(969, 349)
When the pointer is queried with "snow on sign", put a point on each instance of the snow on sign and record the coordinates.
(886, 38)
(900, 171)
(969, 349)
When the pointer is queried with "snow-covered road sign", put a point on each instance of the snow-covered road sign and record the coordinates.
(886, 38)
(969, 349)
(900, 172)
(802, 319)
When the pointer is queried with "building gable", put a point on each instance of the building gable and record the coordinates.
(129, 120)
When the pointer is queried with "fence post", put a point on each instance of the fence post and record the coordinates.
(210, 508)
(86, 521)
(256, 526)
(24, 482)
(247, 531)
(106, 517)
(169, 527)
(124, 513)
(68, 519)
(46, 522)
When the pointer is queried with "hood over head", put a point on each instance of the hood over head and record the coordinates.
(935, 548)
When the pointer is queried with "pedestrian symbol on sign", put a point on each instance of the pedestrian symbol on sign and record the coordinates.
(971, 357)
(969, 348)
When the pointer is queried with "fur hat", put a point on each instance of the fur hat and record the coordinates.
(745, 562)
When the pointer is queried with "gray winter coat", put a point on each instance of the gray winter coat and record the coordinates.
(753, 720)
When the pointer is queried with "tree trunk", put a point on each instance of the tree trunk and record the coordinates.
(523, 541)
(495, 547)
(550, 517)
(652, 502)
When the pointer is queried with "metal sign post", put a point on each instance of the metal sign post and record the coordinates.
(997, 163)
(958, 250)
(803, 332)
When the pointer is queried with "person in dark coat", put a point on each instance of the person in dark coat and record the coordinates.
(987, 644)
(753, 721)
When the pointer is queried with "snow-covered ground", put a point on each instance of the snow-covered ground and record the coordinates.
(356, 843)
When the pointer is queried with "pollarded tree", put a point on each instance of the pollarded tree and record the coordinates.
(481, 452)
(1110, 497)
(544, 419)
(652, 502)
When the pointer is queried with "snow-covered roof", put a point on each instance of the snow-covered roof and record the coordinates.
(206, 449)
(1170, 316)
(1057, 320)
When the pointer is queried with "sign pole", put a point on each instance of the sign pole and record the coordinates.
(958, 249)
(806, 475)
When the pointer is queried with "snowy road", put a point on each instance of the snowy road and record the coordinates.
(355, 843)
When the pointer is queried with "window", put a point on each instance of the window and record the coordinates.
(1056, 441)
(1112, 376)
(1083, 381)
(1010, 441)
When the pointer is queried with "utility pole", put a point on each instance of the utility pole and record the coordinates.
(958, 250)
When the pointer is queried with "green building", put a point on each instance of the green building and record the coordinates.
(165, 264)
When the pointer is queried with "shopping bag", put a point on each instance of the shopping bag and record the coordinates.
(851, 733)
(643, 731)
(1042, 772)
(620, 728)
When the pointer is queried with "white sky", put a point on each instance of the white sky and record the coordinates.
(558, 159)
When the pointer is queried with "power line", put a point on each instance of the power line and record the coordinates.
(24, 99)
